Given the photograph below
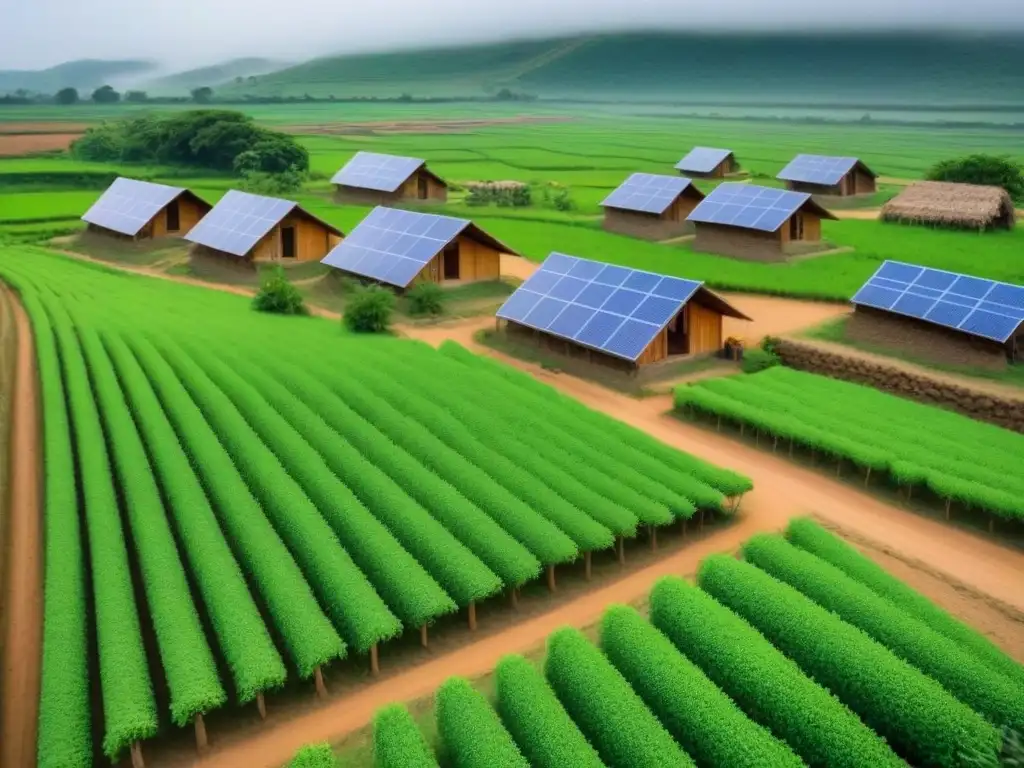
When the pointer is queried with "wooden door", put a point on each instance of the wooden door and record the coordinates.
(452, 261)
(288, 242)
(173, 217)
(423, 187)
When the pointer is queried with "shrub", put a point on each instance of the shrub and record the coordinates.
(270, 184)
(472, 734)
(277, 294)
(370, 310)
(993, 170)
(397, 742)
(314, 756)
(755, 360)
(426, 299)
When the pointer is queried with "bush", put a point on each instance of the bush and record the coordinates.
(278, 295)
(993, 170)
(426, 299)
(314, 756)
(755, 360)
(370, 310)
(397, 742)
(471, 731)
(272, 184)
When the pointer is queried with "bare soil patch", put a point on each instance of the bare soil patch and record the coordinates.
(56, 126)
(419, 126)
(15, 144)
(858, 213)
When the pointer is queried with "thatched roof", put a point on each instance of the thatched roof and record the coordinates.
(943, 203)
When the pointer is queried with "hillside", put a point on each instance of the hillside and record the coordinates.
(213, 76)
(82, 74)
(847, 69)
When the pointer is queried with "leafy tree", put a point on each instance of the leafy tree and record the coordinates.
(278, 295)
(426, 299)
(106, 94)
(370, 310)
(993, 170)
(136, 97)
(239, 80)
(272, 184)
(202, 95)
(66, 96)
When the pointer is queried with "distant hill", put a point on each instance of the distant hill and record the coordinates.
(213, 76)
(842, 69)
(83, 74)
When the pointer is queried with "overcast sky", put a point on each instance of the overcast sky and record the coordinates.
(40, 33)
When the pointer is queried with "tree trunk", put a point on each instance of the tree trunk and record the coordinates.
(318, 680)
(701, 529)
(622, 550)
(586, 566)
(514, 597)
(201, 742)
(682, 526)
(654, 537)
(423, 635)
(867, 477)
(137, 761)
(261, 705)
(551, 578)
(991, 524)
(948, 502)
(472, 615)
(374, 660)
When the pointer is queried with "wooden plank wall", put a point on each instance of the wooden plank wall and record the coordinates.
(189, 214)
(704, 327)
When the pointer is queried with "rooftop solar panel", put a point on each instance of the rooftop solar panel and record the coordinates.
(393, 246)
(702, 159)
(239, 221)
(974, 305)
(748, 206)
(611, 309)
(382, 173)
(647, 193)
(128, 205)
(817, 169)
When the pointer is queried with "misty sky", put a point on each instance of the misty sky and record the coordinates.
(40, 33)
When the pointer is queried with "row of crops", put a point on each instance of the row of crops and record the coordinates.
(805, 652)
(271, 495)
(956, 458)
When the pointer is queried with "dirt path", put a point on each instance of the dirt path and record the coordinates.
(858, 213)
(23, 623)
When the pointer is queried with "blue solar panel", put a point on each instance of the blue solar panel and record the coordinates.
(393, 246)
(817, 169)
(647, 192)
(239, 221)
(611, 309)
(128, 205)
(702, 160)
(974, 305)
(748, 206)
(382, 173)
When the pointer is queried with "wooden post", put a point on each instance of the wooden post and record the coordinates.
(374, 660)
(948, 502)
(318, 680)
(261, 705)
(201, 742)
(654, 537)
(472, 615)
(622, 550)
(137, 761)
(551, 578)
(423, 635)
(586, 566)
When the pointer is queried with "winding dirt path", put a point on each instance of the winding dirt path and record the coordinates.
(23, 623)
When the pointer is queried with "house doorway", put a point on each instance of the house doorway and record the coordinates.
(288, 242)
(452, 261)
(678, 338)
(796, 227)
(173, 216)
(422, 187)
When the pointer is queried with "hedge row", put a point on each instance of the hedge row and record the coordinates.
(314, 756)
(770, 688)
(610, 714)
(472, 734)
(693, 709)
(397, 742)
(915, 714)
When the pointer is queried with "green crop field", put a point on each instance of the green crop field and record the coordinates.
(804, 653)
(319, 505)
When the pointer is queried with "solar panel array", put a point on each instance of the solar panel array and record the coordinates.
(985, 308)
(647, 192)
(382, 173)
(393, 246)
(817, 169)
(702, 159)
(748, 206)
(612, 309)
(239, 221)
(128, 205)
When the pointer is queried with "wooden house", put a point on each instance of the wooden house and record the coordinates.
(622, 318)
(253, 228)
(757, 223)
(374, 179)
(954, 206)
(708, 163)
(829, 176)
(943, 317)
(401, 248)
(142, 210)
(651, 206)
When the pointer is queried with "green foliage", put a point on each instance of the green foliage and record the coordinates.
(755, 360)
(991, 170)
(369, 310)
(504, 196)
(600, 701)
(397, 742)
(426, 298)
(811, 537)
(472, 733)
(270, 184)
(956, 457)
(277, 294)
(105, 94)
(314, 756)
(770, 688)
(542, 728)
(911, 711)
(700, 717)
(66, 96)
(202, 95)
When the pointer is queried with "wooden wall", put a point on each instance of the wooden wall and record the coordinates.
(477, 262)
(189, 214)
(410, 190)
(856, 182)
(656, 351)
(672, 223)
(812, 229)
(704, 327)
(312, 240)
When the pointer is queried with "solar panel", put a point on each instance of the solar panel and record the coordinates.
(393, 246)
(128, 205)
(612, 309)
(702, 159)
(817, 169)
(646, 192)
(239, 221)
(748, 206)
(382, 173)
(974, 305)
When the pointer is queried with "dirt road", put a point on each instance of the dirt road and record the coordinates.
(23, 624)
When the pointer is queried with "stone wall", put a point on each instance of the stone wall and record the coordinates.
(996, 409)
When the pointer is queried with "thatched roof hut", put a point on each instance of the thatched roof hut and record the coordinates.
(946, 204)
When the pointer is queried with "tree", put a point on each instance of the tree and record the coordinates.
(105, 94)
(369, 310)
(66, 96)
(239, 80)
(278, 295)
(136, 97)
(272, 184)
(202, 95)
(993, 170)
